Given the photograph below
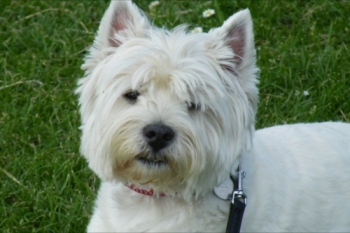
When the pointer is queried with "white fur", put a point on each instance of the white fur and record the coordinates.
(297, 180)
(296, 175)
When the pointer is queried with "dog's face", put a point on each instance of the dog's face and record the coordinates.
(167, 109)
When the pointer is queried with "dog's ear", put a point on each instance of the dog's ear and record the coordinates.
(122, 18)
(237, 32)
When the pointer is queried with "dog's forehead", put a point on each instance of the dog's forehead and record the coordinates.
(176, 61)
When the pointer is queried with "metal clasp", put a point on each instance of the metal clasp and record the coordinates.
(238, 191)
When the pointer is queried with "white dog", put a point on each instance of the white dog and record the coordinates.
(168, 115)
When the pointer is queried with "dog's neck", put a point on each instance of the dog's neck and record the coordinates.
(149, 192)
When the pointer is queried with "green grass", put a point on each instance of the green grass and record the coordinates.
(45, 186)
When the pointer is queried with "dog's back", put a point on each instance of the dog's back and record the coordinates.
(298, 179)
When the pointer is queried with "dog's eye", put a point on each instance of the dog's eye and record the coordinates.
(131, 95)
(193, 106)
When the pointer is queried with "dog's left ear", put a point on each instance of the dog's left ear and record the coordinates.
(237, 33)
(122, 18)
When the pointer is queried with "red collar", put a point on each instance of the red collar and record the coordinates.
(142, 191)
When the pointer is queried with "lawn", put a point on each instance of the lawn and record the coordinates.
(45, 186)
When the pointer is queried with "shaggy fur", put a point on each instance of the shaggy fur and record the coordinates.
(201, 87)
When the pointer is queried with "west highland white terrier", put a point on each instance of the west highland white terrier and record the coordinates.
(169, 115)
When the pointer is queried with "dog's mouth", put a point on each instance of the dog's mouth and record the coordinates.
(152, 161)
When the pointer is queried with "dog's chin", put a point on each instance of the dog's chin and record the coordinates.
(148, 169)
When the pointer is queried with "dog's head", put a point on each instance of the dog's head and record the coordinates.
(167, 109)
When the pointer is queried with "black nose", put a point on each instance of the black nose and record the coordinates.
(158, 136)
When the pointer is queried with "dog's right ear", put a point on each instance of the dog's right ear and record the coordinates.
(121, 20)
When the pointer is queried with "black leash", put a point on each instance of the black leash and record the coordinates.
(238, 203)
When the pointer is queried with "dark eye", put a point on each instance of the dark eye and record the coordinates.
(193, 106)
(131, 95)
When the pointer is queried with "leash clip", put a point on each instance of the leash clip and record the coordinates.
(238, 204)
(238, 190)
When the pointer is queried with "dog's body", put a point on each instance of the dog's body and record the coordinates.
(297, 180)
(171, 115)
